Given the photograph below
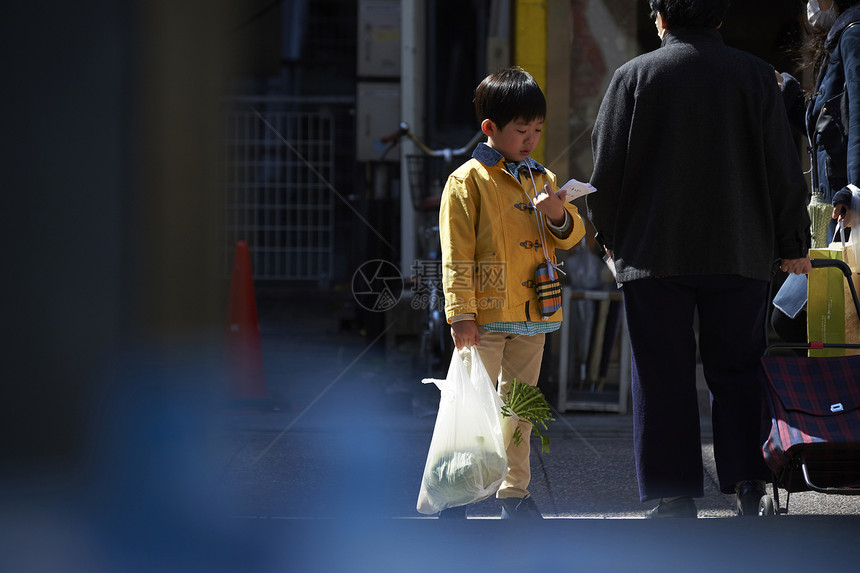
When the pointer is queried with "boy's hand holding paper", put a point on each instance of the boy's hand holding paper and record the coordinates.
(551, 204)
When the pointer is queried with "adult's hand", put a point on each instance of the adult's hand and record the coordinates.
(844, 213)
(796, 266)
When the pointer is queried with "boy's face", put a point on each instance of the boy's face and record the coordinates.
(516, 140)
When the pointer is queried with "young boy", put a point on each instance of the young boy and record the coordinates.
(497, 224)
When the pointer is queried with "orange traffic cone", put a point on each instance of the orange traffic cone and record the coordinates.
(246, 380)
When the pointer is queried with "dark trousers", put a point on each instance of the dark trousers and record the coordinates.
(660, 317)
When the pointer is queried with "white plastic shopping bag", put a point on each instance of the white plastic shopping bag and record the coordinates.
(466, 461)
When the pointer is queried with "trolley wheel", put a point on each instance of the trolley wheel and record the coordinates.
(765, 506)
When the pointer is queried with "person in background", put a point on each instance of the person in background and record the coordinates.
(699, 188)
(829, 116)
(499, 220)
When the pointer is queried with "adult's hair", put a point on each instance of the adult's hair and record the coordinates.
(812, 52)
(507, 95)
(690, 13)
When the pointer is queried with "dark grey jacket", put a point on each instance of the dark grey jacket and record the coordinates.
(695, 166)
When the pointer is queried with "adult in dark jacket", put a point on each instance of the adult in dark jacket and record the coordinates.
(829, 116)
(834, 132)
(699, 189)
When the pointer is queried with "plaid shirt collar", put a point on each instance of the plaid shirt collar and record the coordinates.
(490, 157)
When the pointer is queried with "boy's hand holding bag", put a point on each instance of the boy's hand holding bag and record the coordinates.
(466, 461)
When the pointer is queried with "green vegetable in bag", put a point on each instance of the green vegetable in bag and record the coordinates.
(457, 476)
(466, 461)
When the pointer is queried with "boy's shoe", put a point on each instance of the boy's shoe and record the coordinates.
(679, 507)
(458, 512)
(519, 508)
(749, 494)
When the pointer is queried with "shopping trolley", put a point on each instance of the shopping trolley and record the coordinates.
(814, 440)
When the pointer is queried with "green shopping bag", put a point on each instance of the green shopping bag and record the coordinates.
(831, 316)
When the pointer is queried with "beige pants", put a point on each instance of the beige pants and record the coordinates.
(509, 357)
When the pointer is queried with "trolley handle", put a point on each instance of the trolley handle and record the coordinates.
(846, 270)
(813, 345)
(841, 265)
(823, 263)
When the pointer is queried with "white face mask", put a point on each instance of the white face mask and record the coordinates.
(818, 18)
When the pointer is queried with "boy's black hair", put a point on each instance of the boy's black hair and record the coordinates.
(690, 13)
(507, 95)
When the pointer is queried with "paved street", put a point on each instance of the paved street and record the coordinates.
(343, 415)
(348, 442)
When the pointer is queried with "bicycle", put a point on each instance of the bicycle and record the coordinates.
(427, 174)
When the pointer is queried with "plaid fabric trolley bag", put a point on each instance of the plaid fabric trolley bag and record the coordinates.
(814, 441)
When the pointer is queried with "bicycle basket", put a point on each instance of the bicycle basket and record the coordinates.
(427, 175)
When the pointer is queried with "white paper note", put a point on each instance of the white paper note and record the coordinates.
(574, 189)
